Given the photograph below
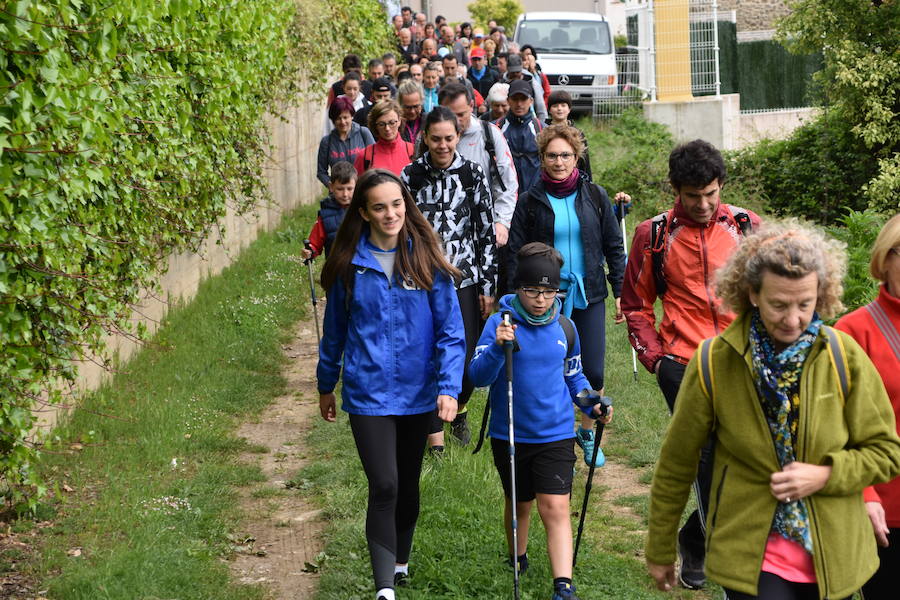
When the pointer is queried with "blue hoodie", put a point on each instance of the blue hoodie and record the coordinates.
(545, 379)
(401, 346)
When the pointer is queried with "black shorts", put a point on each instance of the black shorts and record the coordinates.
(540, 468)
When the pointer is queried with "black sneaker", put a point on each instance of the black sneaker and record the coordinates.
(459, 429)
(690, 571)
(401, 579)
(523, 563)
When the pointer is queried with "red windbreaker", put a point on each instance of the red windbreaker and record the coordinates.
(691, 311)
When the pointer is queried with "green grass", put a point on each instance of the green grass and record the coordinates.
(155, 485)
(459, 546)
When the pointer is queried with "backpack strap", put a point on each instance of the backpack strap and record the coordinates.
(492, 153)
(838, 359)
(659, 233)
(569, 329)
(705, 366)
(883, 322)
(368, 159)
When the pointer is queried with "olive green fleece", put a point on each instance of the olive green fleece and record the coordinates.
(856, 436)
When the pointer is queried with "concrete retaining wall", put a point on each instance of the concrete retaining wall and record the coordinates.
(291, 176)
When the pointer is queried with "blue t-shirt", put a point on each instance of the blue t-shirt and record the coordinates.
(567, 236)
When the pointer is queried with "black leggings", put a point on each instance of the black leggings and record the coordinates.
(773, 587)
(470, 306)
(391, 450)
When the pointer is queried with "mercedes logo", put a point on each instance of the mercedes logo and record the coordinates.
(563, 80)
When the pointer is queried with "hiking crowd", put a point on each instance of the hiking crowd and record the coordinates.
(467, 246)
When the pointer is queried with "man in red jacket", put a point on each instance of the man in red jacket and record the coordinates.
(674, 257)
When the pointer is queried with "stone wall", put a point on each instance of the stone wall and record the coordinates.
(755, 15)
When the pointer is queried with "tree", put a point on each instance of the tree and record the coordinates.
(861, 77)
(505, 12)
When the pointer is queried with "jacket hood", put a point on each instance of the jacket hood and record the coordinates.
(506, 304)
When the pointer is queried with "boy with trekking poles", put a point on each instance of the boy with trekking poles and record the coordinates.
(531, 419)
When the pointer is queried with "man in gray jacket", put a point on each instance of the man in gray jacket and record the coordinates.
(496, 162)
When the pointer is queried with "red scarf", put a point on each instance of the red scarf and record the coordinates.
(560, 187)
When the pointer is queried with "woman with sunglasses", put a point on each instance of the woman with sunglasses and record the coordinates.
(389, 151)
(575, 216)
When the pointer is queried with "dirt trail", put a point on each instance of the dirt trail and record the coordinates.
(282, 533)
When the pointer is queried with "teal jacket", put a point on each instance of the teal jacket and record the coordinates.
(855, 435)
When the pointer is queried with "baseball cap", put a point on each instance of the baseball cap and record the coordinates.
(381, 85)
(476, 53)
(520, 86)
(514, 63)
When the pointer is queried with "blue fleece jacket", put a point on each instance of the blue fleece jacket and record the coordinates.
(546, 379)
(399, 346)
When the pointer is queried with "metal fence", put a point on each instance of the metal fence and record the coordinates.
(661, 55)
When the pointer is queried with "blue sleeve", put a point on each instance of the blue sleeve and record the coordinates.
(449, 335)
(488, 359)
(322, 163)
(367, 136)
(575, 379)
(334, 336)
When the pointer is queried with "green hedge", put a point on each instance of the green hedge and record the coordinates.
(127, 128)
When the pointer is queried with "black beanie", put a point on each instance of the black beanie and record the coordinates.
(537, 270)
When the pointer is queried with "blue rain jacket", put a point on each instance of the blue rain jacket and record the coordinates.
(401, 346)
(546, 379)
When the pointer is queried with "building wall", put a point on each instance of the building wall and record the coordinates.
(755, 15)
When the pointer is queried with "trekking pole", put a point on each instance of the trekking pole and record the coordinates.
(605, 403)
(621, 204)
(312, 290)
(508, 349)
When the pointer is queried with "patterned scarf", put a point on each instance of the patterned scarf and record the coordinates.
(530, 318)
(777, 379)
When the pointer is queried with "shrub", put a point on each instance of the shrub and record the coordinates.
(818, 173)
(505, 12)
(126, 129)
(858, 230)
(631, 154)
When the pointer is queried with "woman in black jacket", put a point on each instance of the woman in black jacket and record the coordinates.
(574, 216)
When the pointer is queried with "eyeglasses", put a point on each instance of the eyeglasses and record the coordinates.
(534, 293)
(553, 156)
(385, 124)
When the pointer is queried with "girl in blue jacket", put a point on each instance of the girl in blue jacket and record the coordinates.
(393, 325)
(547, 379)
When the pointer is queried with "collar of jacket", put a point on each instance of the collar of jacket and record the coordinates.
(390, 146)
(684, 219)
(363, 258)
(517, 120)
(737, 335)
(891, 304)
(434, 171)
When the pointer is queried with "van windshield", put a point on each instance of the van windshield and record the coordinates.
(565, 37)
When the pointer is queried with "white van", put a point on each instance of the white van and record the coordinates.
(575, 51)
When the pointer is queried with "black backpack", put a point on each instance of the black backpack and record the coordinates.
(659, 234)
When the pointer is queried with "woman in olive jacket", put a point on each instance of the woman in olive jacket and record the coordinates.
(792, 452)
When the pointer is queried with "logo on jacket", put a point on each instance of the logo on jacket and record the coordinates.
(563, 80)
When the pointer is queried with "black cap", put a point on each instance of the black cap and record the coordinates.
(520, 86)
(537, 270)
(514, 63)
(381, 85)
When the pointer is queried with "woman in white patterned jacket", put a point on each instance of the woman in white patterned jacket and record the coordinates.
(452, 193)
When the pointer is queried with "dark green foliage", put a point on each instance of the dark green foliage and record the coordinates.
(817, 174)
(127, 128)
(858, 231)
